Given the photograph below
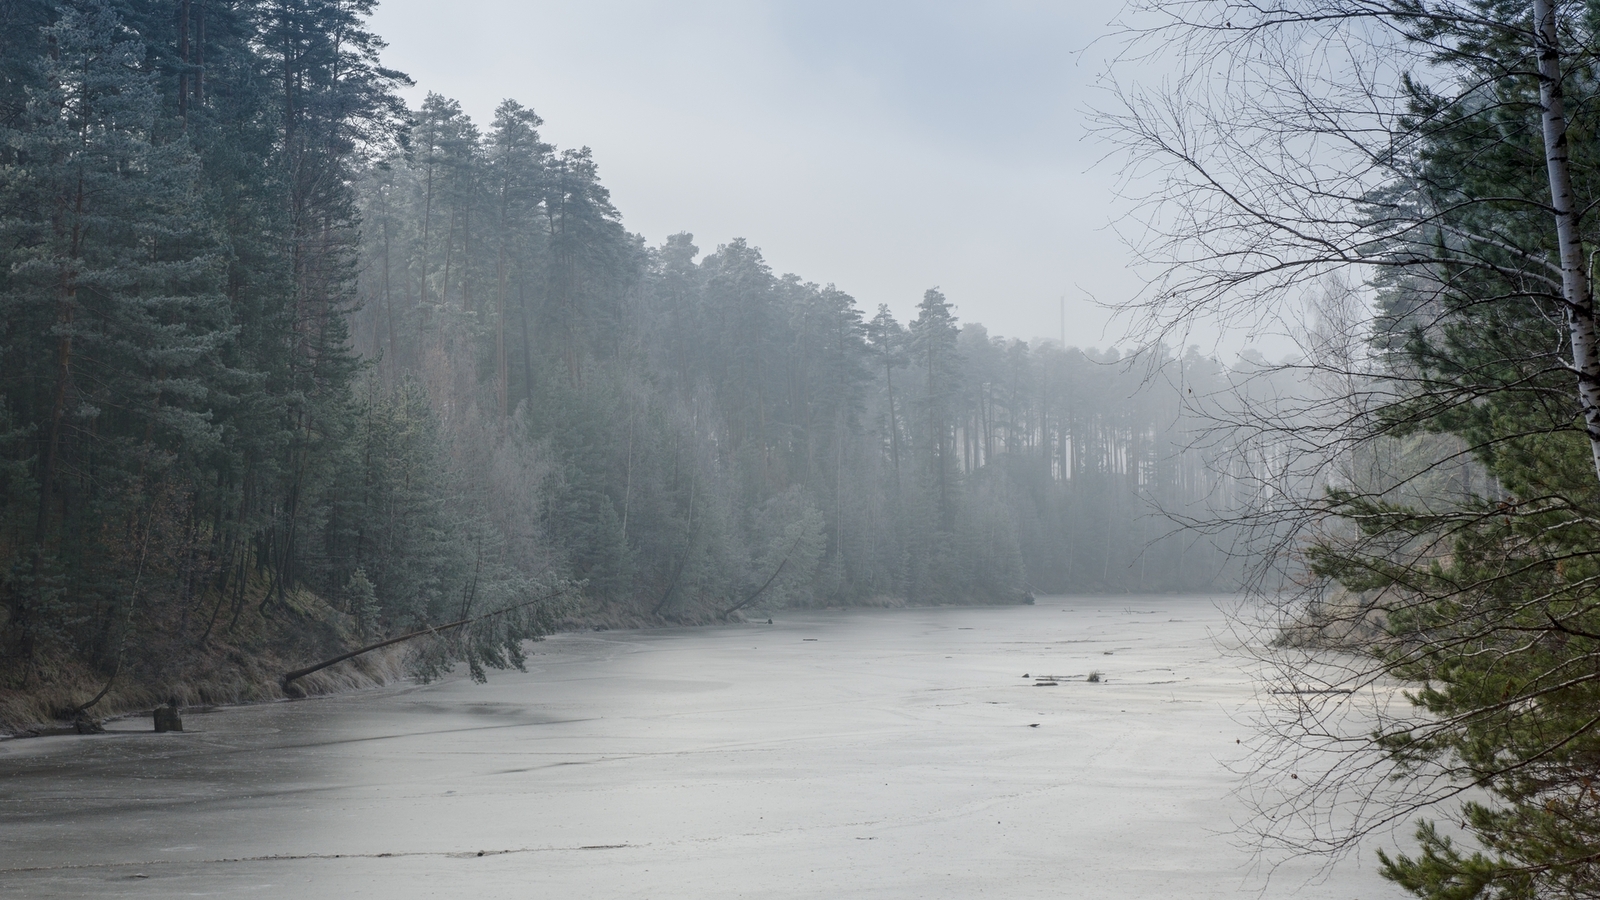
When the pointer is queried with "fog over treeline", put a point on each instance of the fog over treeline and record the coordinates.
(307, 386)
(688, 416)
(289, 366)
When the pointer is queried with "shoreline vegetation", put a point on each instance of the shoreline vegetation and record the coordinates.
(241, 679)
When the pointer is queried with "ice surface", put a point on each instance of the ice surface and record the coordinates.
(883, 754)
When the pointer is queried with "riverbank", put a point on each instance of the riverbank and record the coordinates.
(231, 679)
(247, 666)
(238, 656)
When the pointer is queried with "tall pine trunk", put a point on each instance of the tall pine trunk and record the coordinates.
(502, 384)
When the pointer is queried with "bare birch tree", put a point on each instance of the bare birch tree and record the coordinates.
(1419, 152)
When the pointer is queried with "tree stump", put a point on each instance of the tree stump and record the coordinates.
(167, 718)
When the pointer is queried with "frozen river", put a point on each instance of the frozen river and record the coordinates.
(882, 754)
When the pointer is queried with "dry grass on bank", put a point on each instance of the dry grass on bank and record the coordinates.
(236, 657)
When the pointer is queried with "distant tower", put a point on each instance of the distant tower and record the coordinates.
(1063, 321)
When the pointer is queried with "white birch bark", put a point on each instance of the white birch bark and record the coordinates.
(1577, 292)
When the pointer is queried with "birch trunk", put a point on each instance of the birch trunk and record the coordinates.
(1577, 292)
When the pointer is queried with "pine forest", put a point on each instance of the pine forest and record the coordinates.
(287, 367)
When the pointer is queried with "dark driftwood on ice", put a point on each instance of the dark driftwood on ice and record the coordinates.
(289, 677)
(1312, 691)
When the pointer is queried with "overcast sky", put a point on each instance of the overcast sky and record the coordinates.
(884, 147)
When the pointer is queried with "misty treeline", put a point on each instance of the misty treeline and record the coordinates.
(287, 366)
(687, 422)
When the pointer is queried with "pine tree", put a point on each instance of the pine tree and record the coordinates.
(933, 343)
(114, 317)
(518, 163)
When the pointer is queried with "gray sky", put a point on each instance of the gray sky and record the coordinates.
(885, 147)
